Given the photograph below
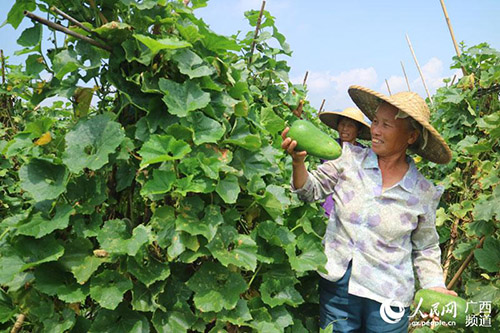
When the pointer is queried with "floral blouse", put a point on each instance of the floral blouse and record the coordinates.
(386, 233)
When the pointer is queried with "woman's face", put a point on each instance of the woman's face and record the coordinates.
(390, 136)
(348, 131)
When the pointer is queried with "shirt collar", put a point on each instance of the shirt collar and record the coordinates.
(409, 179)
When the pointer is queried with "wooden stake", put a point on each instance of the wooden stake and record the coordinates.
(322, 104)
(387, 84)
(449, 254)
(257, 27)
(448, 22)
(3, 67)
(418, 67)
(305, 78)
(186, 2)
(406, 77)
(18, 324)
(453, 80)
(75, 22)
(453, 281)
(65, 30)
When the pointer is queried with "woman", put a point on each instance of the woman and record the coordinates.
(350, 124)
(384, 221)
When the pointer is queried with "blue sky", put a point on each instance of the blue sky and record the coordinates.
(351, 42)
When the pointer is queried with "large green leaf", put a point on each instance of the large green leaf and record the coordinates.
(108, 287)
(192, 65)
(205, 129)
(65, 62)
(173, 321)
(147, 269)
(216, 287)
(39, 226)
(311, 256)
(156, 45)
(162, 148)
(488, 257)
(16, 13)
(161, 182)
(31, 36)
(119, 321)
(7, 309)
(89, 144)
(278, 288)
(228, 188)
(183, 98)
(241, 136)
(207, 227)
(51, 280)
(44, 180)
(115, 238)
(229, 247)
(79, 259)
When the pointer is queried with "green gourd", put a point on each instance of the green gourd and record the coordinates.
(431, 297)
(313, 140)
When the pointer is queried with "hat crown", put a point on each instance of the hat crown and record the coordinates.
(412, 101)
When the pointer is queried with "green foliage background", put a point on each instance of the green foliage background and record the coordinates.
(167, 206)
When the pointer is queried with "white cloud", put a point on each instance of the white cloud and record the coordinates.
(333, 87)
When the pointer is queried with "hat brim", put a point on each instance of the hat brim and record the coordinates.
(367, 100)
(331, 119)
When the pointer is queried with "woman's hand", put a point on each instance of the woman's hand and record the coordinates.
(289, 145)
(442, 290)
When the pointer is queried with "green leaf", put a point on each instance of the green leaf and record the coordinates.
(51, 280)
(207, 227)
(16, 13)
(205, 129)
(65, 62)
(278, 288)
(173, 321)
(108, 287)
(31, 36)
(38, 226)
(271, 121)
(119, 321)
(216, 287)
(43, 179)
(191, 64)
(241, 136)
(240, 315)
(34, 66)
(7, 310)
(229, 247)
(488, 257)
(183, 98)
(162, 148)
(114, 32)
(89, 144)
(228, 189)
(88, 191)
(115, 238)
(309, 255)
(38, 251)
(147, 269)
(60, 323)
(161, 183)
(79, 259)
(144, 298)
(161, 44)
(486, 207)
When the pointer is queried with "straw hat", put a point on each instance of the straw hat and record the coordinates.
(436, 150)
(331, 118)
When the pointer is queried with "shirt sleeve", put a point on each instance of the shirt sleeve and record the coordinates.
(426, 252)
(321, 182)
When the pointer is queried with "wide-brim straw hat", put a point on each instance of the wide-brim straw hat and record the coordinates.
(332, 118)
(436, 150)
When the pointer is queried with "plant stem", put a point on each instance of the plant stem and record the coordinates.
(254, 275)
(454, 280)
(257, 27)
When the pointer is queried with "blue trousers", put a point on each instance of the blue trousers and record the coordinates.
(351, 313)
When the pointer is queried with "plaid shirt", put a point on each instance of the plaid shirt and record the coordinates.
(386, 233)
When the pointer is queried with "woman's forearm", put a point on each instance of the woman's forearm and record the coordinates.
(299, 174)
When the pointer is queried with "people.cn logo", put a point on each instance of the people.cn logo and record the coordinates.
(388, 314)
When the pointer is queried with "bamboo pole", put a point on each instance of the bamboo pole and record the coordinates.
(389, 89)
(75, 22)
(455, 278)
(453, 80)
(65, 30)
(305, 78)
(448, 22)
(322, 104)
(449, 254)
(257, 27)
(418, 67)
(406, 77)
(3, 67)
(18, 324)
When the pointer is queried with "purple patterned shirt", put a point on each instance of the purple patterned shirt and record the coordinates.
(387, 234)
